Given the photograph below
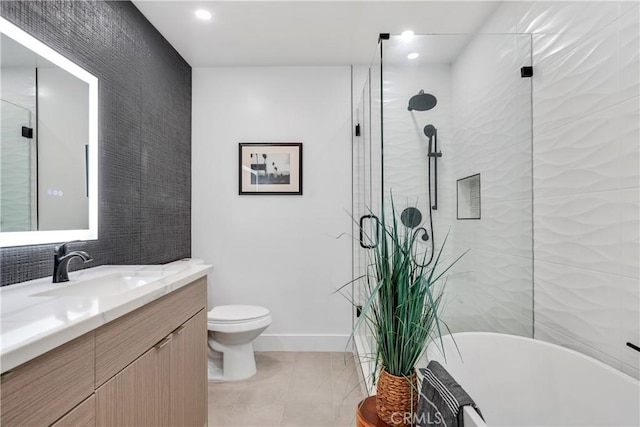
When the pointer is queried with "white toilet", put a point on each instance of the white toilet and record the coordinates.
(232, 329)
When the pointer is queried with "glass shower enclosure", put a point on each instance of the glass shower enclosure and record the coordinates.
(444, 126)
(17, 165)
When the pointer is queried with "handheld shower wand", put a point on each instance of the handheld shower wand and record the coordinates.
(432, 133)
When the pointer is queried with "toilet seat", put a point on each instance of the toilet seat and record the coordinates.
(237, 318)
(236, 313)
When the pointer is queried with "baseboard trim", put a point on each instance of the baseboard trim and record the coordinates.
(307, 342)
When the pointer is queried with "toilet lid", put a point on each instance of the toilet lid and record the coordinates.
(236, 313)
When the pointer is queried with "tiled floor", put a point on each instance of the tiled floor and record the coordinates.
(290, 389)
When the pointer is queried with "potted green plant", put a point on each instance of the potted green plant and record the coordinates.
(402, 310)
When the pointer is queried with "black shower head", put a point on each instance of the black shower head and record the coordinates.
(430, 131)
(422, 102)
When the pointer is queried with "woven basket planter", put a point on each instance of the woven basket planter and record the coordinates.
(396, 398)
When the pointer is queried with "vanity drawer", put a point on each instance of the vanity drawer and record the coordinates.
(120, 342)
(44, 389)
(83, 415)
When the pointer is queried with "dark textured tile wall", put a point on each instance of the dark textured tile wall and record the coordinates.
(145, 132)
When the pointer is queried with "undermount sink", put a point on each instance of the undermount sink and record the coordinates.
(107, 285)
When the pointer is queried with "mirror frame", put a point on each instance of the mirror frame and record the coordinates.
(23, 238)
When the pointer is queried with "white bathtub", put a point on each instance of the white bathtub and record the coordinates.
(518, 381)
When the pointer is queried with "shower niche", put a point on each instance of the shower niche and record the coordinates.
(468, 197)
(459, 108)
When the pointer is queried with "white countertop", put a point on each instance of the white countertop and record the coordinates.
(32, 325)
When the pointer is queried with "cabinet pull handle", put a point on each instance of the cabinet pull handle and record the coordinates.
(179, 329)
(6, 375)
(164, 342)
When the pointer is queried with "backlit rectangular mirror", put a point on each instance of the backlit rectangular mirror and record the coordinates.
(48, 144)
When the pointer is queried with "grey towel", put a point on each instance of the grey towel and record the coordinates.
(441, 399)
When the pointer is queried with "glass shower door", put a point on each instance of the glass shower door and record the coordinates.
(367, 187)
(17, 166)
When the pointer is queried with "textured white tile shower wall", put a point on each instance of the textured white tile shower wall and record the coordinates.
(279, 252)
(586, 182)
(492, 121)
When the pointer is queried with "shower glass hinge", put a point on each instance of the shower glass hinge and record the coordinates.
(27, 132)
(358, 129)
(526, 72)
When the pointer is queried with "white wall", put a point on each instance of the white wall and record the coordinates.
(586, 166)
(279, 252)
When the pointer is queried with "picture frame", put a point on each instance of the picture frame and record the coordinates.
(270, 168)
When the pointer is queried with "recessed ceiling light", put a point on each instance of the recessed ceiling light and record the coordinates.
(413, 55)
(407, 35)
(205, 15)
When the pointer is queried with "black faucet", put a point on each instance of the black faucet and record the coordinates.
(61, 261)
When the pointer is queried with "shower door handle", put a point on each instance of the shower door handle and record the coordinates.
(377, 234)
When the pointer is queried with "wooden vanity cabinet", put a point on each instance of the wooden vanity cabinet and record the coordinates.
(188, 376)
(166, 385)
(163, 387)
(42, 390)
(139, 395)
(146, 368)
(121, 341)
